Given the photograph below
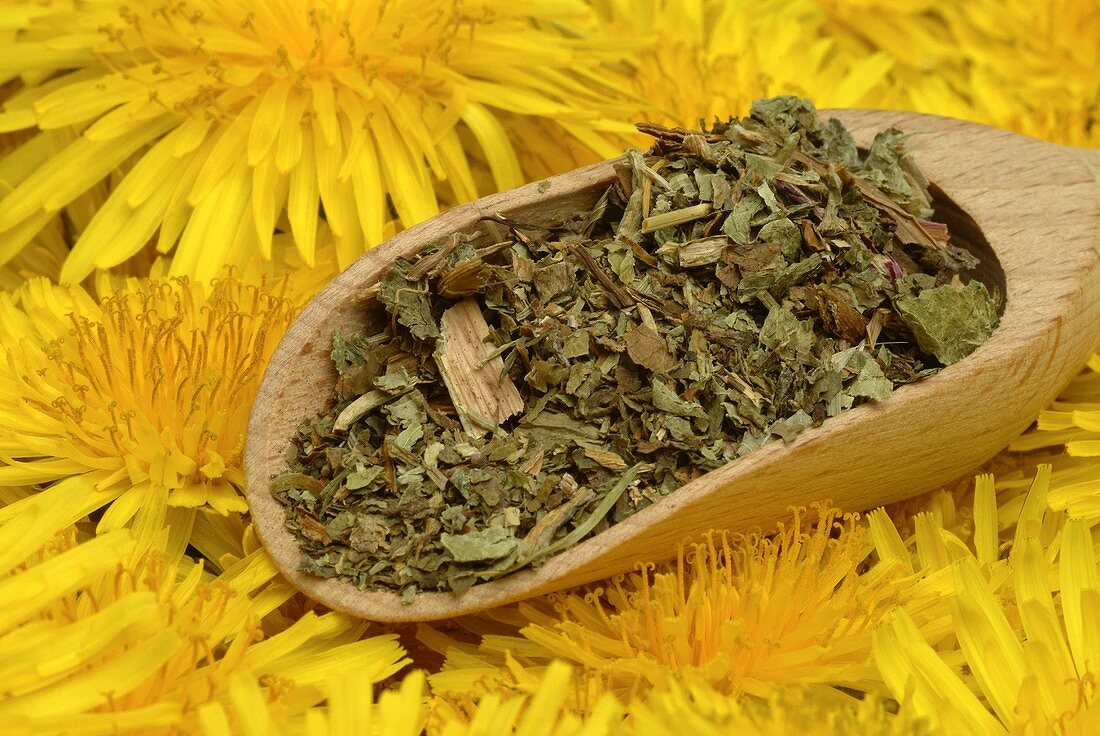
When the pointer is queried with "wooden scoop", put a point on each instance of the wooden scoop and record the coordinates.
(1029, 210)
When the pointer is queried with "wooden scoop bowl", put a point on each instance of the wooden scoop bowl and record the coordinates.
(1030, 210)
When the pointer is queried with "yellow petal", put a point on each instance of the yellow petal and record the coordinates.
(544, 708)
(865, 75)
(202, 251)
(213, 721)
(400, 711)
(986, 529)
(253, 718)
(931, 550)
(24, 593)
(119, 230)
(410, 190)
(190, 135)
(369, 196)
(324, 104)
(95, 686)
(302, 202)
(493, 139)
(35, 659)
(918, 677)
(350, 709)
(986, 637)
(1077, 574)
(156, 718)
(71, 172)
(289, 147)
(379, 657)
(41, 517)
(459, 176)
(268, 121)
(1030, 522)
(38, 471)
(227, 151)
(20, 57)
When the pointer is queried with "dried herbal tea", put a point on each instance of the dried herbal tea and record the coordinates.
(522, 388)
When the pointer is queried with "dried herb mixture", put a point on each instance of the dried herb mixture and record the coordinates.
(525, 387)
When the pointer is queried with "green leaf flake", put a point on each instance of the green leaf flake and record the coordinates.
(736, 225)
(950, 322)
(480, 545)
(870, 382)
(665, 399)
(785, 234)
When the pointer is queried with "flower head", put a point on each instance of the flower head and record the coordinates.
(147, 387)
(713, 58)
(229, 119)
(95, 638)
(744, 614)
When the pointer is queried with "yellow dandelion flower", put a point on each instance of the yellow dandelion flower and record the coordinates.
(741, 613)
(146, 388)
(230, 119)
(713, 58)
(1027, 66)
(1012, 656)
(95, 639)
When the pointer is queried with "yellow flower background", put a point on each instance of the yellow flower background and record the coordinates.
(163, 164)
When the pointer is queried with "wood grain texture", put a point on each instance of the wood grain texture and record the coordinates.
(1036, 205)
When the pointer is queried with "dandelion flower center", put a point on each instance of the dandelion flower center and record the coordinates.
(746, 614)
(153, 383)
(199, 47)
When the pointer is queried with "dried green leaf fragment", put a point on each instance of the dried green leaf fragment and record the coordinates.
(646, 348)
(480, 545)
(949, 321)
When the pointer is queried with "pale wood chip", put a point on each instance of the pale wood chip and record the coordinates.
(478, 393)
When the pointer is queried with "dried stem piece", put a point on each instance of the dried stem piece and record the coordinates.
(676, 217)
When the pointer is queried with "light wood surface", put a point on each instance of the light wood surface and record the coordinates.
(1036, 205)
